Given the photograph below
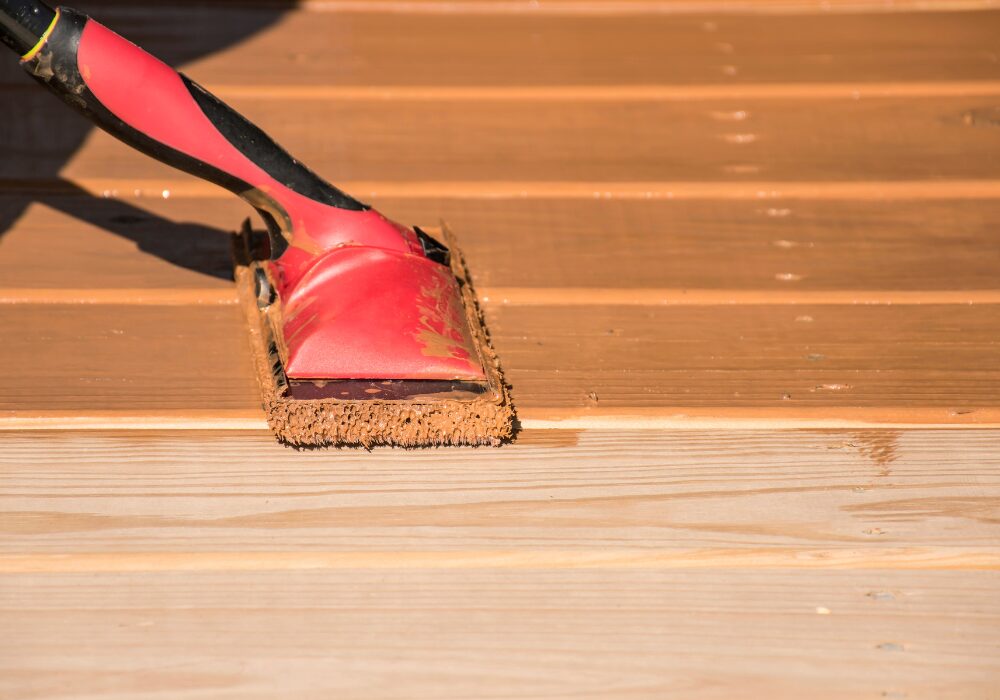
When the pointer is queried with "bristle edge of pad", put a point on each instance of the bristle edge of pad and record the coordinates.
(419, 422)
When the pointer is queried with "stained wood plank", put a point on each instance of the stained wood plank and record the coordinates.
(835, 140)
(864, 500)
(72, 242)
(90, 243)
(763, 356)
(250, 46)
(536, 633)
(610, 50)
(82, 359)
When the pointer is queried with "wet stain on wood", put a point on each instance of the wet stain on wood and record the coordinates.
(880, 446)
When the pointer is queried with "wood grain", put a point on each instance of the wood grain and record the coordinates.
(863, 500)
(534, 633)
(72, 244)
(824, 140)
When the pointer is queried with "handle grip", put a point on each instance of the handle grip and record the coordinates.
(148, 105)
(23, 23)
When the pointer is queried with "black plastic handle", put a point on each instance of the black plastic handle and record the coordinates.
(23, 23)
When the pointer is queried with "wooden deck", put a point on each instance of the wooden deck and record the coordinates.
(740, 262)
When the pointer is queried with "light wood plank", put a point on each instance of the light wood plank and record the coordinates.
(533, 633)
(250, 46)
(179, 246)
(556, 141)
(82, 359)
(620, 499)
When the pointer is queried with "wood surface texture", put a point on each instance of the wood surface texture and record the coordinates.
(826, 140)
(739, 260)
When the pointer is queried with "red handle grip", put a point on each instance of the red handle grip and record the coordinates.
(147, 104)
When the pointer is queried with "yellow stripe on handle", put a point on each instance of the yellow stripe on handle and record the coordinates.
(42, 39)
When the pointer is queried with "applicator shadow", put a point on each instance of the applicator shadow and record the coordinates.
(190, 245)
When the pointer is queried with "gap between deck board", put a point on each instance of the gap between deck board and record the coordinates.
(538, 296)
(121, 296)
(613, 93)
(543, 418)
(598, 93)
(898, 558)
(584, 296)
(865, 190)
(641, 7)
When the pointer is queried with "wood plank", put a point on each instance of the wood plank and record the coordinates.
(79, 358)
(402, 49)
(787, 358)
(79, 241)
(783, 358)
(776, 361)
(760, 500)
(835, 140)
(531, 633)
(251, 47)
(178, 245)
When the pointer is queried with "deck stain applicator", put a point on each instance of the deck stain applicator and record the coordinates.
(363, 331)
